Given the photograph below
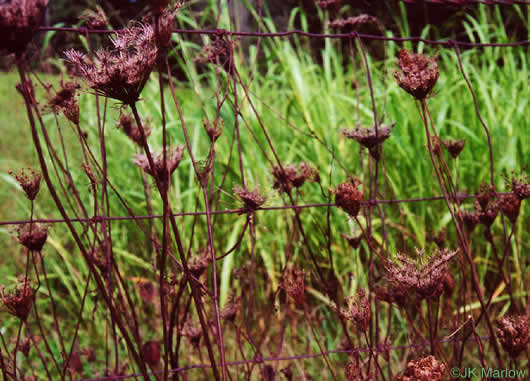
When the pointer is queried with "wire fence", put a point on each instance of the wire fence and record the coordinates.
(122, 318)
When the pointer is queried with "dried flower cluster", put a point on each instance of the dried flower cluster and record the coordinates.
(19, 19)
(358, 311)
(199, 263)
(151, 353)
(32, 235)
(65, 101)
(454, 147)
(146, 289)
(353, 370)
(424, 369)
(418, 73)
(128, 125)
(289, 177)
(164, 22)
(219, 52)
(19, 302)
(427, 280)
(231, 308)
(163, 174)
(94, 19)
(192, 331)
(214, 130)
(513, 334)
(120, 73)
(252, 200)
(486, 205)
(29, 180)
(352, 23)
(333, 5)
(370, 138)
(293, 284)
(348, 198)
(353, 241)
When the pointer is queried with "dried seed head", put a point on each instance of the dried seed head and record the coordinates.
(164, 22)
(487, 216)
(470, 220)
(75, 365)
(199, 263)
(333, 5)
(219, 52)
(173, 158)
(392, 294)
(486, 195)
(231, 308)
(510, 206)
(128, 125)
(29, 180)
(348, 198)
(353, 370)
(370, 137)
(426, 280)
(440, 238)
(288, 176)
(120, 73)
(424, 369)
(65, 101)
(19, 302)
(358, 311)
(293, 284)
(252, 200)
(352, 23)
(215, 130)
(353, 241)
(19, 20)
(513, 334)
(24, 346)
(193, 332)
(151, 353)
(454, 146)
(94, 19)
(147, 290)
(418, 73)
(98, 258)
(32, 235)
(287, 372)
(521, 187)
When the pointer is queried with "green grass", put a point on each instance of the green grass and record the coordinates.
(312, 97)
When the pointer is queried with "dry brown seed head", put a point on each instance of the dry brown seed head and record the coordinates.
(510, 206)
(252, 200)
(288, 176)
(219, 52)
(75, 365)
(199, 263)
(513, 334)
(425, 280)
(19, 20)
(146, 290)
(192, 331)
(29, 180)
(163, 174)
(352, 23)
(470, 220)
(358, 311)
(32, 235)
(215, 130)
(348, 198)
(370, 138)
(353, 241)
(424, 369)
(20, 301)
(293, 284)
(485, 196)
(151, 353)
(128, 125)
(418, 73)
(122, 72)
(231, 308)
(487, 215)
(454, 146)
(94, 19)
(333, 5)
(65, 101)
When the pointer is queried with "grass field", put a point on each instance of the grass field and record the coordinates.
(296, 99)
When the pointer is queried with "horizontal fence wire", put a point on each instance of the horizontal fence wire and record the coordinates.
(372, 202)
(296, 32)
(380, 349)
